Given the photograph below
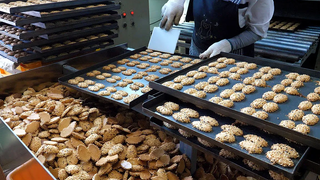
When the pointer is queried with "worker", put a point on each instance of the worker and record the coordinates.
(222, 25)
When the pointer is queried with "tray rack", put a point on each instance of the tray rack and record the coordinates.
(271, 124)
(149, 107)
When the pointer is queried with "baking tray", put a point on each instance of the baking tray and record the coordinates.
(111, 35)
(49, 6)
(149, 107)
(61, 15)
(271, 124)
(82, 73)
(62, 37)
(20, 59)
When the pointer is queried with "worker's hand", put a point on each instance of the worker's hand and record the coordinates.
(216, 48)
(171, 13)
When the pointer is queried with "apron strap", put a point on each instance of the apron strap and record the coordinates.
(236, 1)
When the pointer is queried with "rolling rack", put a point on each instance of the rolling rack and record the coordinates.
(60, 22)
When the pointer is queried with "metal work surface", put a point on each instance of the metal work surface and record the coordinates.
(271, 123)
(99, 67)
(150, 108)
(49, 6)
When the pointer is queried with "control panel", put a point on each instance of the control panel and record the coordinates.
(134, 26)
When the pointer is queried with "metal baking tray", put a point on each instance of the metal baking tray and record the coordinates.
(49, 6)
(62, 37)
(61, 15)
(111, 35)
(272, 123)
(20, 59)
(82, 73)
(81, 52)
(149, 107)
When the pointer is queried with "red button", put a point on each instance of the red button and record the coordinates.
(124, 14)
(132, 13)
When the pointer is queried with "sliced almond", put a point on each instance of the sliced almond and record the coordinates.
(126, 165)
(27, 139)
(172, 176)
(50, 143)
(102, 161)
(113, 158)
(32, 127)
(96, 177)
(136, 133)
(145, 174)
(163, 161)
(50, 157)
(64, 122)
(181, 166)
(66, 111)
(59, 139)
(171, 167)
(18, 110)
(94, 152)
(54, 120)
(42, 159)
(144, 157)
(34, 117)
(20, 132)
(68, 130)
(156, 154)
(158, 178)
(137, 168)
(55, 96)
(83, 154)
(176, 159)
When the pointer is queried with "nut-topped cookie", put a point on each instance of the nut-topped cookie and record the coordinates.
(202, 126)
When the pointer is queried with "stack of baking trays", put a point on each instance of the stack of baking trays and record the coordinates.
(55, 30)
(259, 117)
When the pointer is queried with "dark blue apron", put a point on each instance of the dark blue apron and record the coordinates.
(216, 20)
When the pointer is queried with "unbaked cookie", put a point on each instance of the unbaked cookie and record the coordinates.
(111, 89)
(104, 93)
(111, 80)
(225, 137)
(280, 98)
(317, 90)
(291, 152)
(251, 147)
(238, 87)
(90, 74)
(89, 82)
(209, 120)
(164, 110)
(210, 88)
(201, 85)
(310, 119)
(261, 115)
(146, 89)
(116, 96)
(296, 114)
(222, 82)
(186, 59)
(128, 81)
(122, 93)
(203, 68)
(107, 75)
(297, 84)
(179, 78)
(269, 95)
(275, 71)
(187, 81)
(302, 128)
(181, 117)
(303, 78)
(134, 87)
(292, 76)
(305, 105)
(313, 97)
(316, 109)
(237, 97)
(226, 93)
(288, 124)
(122, 84)
(251, 66)
(256, 139)
(241, 64)
(171, 105)
(260, 83)
(286, 82)
(226, 103)
(270, 107)
(216, 99)
(190, 91)
(213, 79)
(213, 64)
(190, 112)
(234, 76)
(205, 127)
(257, 75)
(248, 110)
(83, 85)
(221, 65)
(100, 85)
(116, 70)
(278, 88)
(281, 158)
(94, 88)
(234, 69)
(221, 59)
(291, 90)
(248, 89)
(258, 103)
(232, 129)
(265, 69)
(200, 75)
(243, 71)
(176, 86)
(249, 80)
(224, 74)
(213, 70)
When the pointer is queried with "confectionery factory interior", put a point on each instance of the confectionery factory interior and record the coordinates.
(86, 92)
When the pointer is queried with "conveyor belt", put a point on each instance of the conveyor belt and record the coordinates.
(287, 46)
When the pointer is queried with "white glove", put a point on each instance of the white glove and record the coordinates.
(216, 48)
(171, 13)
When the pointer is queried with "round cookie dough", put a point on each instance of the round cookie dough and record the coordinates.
(241, 64)
(200, 94)
(249, 80)
(191, 73)
(280, 98)
(258, 103)
(224, 74)
(111, 89)
(226, 93)
(257, 75)
(317, 90)
(213, 79)
(222, 82)
(190, 91)
(243, 71)
(89, 82)
(275, 71)
(216, 99)
(316, 109)
(261, 115)
(292, 76)
(190, 112)
(296, 115)
(265, 69)
(248, 110)
(201, 85)
(237, 97)
(248, 89)
(171, 105)
(176, 86)
(187, 81)
(83, 85)
(229, 61)
(260, 83)
(221, 65)
(94, 88)
(213, 70)
(313, 97)
(205, 127)
(302, 128)
(164, 110)
(305, 105)
(297, 84)
(251, 66)
(270, 107)
(104, 93)
(226, 103)
(278, 88)
(203, 69)
(210, 88)
(238, 86)
(291, 91)
(73, 81)
(288, 124)
(286, 82)
(234, 76)
(310, 119)
(179, 78)
(234, 69)
(269, 95)
(303, 78)
(200, 75)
